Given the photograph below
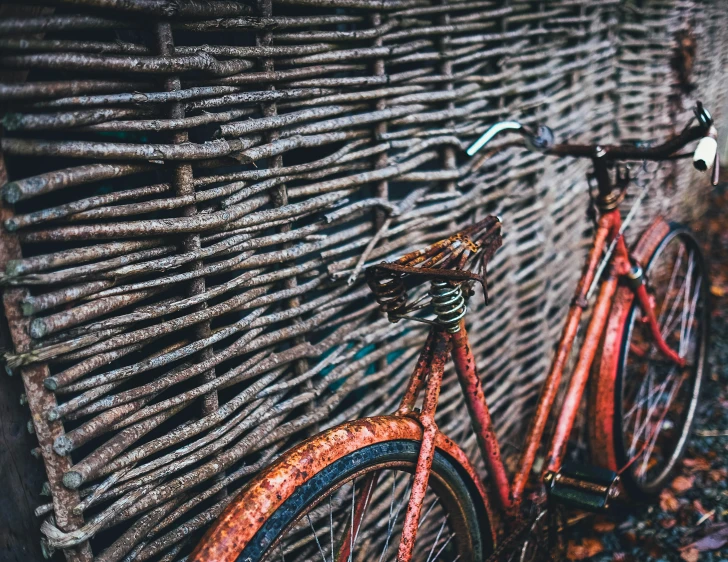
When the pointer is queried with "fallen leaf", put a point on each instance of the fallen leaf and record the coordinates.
(690, 555)
(655, 550)
(717, 291)
(697, 506)
(631, 537)
(716, 538)
(718, 475)
(586, 549)
(604, 526)
(682, 483)
(668, 502)
(697, 465)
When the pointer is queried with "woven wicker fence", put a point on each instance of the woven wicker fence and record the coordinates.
(192, 189)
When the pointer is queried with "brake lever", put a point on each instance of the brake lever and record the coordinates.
(715, 178)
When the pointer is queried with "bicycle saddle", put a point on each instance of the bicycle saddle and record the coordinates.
(457, 260)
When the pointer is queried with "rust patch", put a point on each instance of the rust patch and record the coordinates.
(242, 518)
(683, 60)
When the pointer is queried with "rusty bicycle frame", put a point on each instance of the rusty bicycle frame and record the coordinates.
(430, 367)
(428, 373)
(608, 260)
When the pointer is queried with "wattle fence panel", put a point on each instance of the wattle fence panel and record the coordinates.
(193, 188)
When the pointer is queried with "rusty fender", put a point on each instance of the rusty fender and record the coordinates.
(267, 492)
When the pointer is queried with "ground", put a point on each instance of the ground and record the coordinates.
(690, 523)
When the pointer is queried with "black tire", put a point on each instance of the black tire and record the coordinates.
(643, 479)
(448, 481)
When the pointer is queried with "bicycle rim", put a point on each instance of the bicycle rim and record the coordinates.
(313, 524)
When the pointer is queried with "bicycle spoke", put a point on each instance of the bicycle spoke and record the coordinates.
(653, 399)
(390, 528)
(684, 344)
(634, 394)
(321, 550)
(352, 531)
(638, 410)
(670, 322)
(437, 539)
(686, 299)
(424, 517)
(671, 284)
(331, 529)
(653, 437)
(443, 547)
(635, 433)
(389, 520)
(647, 398)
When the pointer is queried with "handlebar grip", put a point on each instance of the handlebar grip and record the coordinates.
(704, 155)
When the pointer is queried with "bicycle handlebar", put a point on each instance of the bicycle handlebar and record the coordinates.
(627, 152)
(705, 155)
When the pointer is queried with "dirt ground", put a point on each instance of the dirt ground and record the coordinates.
(690, 523)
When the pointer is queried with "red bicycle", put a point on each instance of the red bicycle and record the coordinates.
(395, 487)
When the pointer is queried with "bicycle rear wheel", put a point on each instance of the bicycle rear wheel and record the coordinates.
(311, 521)
(652, 400)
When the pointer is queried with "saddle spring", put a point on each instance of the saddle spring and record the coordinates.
(449, 304)
(390, 293)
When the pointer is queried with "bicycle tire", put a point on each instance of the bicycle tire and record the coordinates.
(453, 485)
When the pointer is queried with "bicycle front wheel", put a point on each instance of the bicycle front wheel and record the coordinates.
(653, 400)
(313, 521)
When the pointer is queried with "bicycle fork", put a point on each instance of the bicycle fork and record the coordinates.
(636, 281)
